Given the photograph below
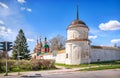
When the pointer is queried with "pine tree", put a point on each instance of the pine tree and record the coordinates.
(21, 46)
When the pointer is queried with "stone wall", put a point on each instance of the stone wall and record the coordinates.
(60, 58)
(98, 53)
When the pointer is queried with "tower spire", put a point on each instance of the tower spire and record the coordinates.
(77, 15)
(40, 38)
(40, 42)
(37, 39)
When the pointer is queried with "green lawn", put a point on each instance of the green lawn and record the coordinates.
(102, 68)
(101, 65)
(74, 66)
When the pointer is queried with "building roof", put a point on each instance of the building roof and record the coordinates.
(105, 47)
(75, 23)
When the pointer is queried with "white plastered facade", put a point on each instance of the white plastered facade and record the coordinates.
(77, 45)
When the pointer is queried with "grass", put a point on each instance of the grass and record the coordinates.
(107, 62)
(74, 66)
(101, 65)
(101, 68)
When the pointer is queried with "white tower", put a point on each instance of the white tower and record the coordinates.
(77, 44)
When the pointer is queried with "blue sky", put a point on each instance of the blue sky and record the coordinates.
(47, 18)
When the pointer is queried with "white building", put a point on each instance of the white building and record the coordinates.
(78, 49)
(77, 44)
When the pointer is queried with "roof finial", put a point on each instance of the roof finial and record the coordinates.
(77, 16)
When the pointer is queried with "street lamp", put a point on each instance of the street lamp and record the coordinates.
(18, 56)
(18, 63)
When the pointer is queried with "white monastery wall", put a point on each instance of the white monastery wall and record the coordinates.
(48, 56)
(60, 58)
(104, 54)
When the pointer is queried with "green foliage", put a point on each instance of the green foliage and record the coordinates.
(26, 65)
(15, 69)
(21, 46)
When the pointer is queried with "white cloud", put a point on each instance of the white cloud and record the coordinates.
(28, 9)
(30, 40)
(115, 41)
(3, 5)
(21, 1)
(92, 37)
(9, 30)
(4, 32)
(111, 25)
(1, 22)
(2, 28)
(22, 8)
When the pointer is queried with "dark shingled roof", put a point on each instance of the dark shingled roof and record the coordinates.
(77, 22)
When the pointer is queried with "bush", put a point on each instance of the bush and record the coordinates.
(42, 64)
(11, 65)
(16, 69)
(26, 65)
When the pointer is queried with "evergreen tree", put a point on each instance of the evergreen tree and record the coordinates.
(21, 46)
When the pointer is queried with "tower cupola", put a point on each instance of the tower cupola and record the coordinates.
(77, 30)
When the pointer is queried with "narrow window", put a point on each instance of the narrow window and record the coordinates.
(67, 55)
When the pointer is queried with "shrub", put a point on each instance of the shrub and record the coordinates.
(11, 64)
(42, 64)
(2, 65)
(16, 69)
(35, 64)
(26, 65)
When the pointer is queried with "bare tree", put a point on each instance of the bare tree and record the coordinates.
(57, 42)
